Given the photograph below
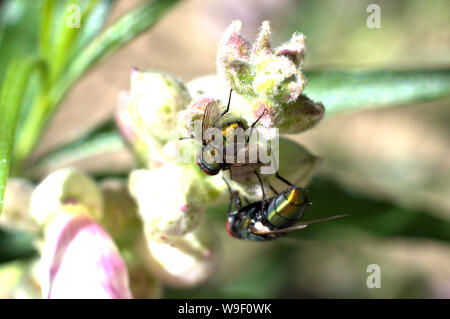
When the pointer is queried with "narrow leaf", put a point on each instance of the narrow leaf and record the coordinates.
(12, 91)
(82, 151)
(120, 33)
(352, 90)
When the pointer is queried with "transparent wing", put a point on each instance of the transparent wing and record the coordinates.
(297, 226)
(210, 114)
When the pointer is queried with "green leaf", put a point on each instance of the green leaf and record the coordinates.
(18, 30)
(47, 13)
(92, 25)
(12, 91)
(352, 90)
(60, 42)
(104, 140)
(120, 33)
(67, 36)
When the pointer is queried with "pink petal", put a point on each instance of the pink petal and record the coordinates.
(80, 260)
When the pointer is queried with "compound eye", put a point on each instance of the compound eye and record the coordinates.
(205, 168)
(229, 229)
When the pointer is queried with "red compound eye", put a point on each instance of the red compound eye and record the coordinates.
(229, 229)
(206, 169)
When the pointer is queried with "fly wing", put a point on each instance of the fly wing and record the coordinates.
(279, 231)
(209, 116)
(297, 226)
(321, 220)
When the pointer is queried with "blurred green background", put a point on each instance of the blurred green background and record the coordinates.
(388, 167)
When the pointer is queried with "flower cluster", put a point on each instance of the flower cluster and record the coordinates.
(263, 80)
(118, 239)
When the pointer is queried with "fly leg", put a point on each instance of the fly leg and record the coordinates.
(224, 112)
(234, 197)
(253, 125)
(273, 189)
(260, 213)
(283, 179)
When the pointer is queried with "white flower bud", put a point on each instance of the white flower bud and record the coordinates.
(65, 187)
(154, 102)
(171, 199)
(186, 261)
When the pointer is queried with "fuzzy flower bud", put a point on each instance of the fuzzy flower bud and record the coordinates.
(232, 55)
(66, 188)
(80, 260)
(172, 199)
(185, 261)
(270, 80)
(294, 49)
(302, 115)
(155, 99)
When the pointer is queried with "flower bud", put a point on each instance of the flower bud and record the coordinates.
(155, 100)
(277, 78)
(294, 49)
(80, 260)
(66, 188)
(183, 262)
(126, 127)
(172, 199)
(268, 80)
(299, 116)
(262, 44)
(232, 55)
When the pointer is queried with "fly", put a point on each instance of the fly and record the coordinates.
(270, 218)
(207, 157)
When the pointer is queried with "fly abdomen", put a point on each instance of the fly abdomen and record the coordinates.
(287, 208)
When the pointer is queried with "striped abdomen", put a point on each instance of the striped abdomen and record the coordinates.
(287, 208)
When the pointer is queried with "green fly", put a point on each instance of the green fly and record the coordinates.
(269, 218)
(207, 158)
